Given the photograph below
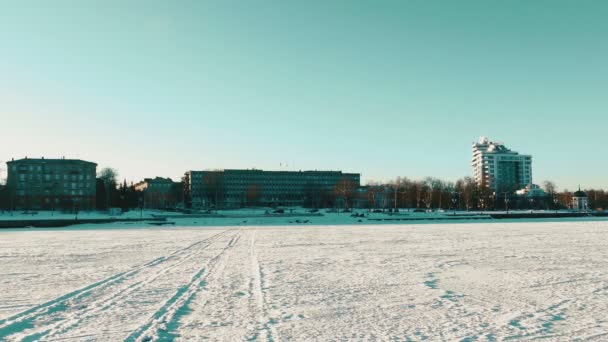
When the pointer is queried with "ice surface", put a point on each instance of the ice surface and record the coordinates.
(480, 281)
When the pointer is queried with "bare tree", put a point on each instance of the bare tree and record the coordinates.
(109, 178)
(345, 189)
(549, 187)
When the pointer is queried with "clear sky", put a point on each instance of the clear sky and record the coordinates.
(384, 88)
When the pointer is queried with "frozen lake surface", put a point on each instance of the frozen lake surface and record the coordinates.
(477, 281)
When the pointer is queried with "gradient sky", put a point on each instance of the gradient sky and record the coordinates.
(384, 88)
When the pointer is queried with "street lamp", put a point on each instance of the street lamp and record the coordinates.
(141, 205)
(455, 196)
(76, 208)
(507, 200)
(556, 203)
(481, 201)
(531, 199)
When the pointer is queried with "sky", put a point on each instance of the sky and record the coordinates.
(383, 88)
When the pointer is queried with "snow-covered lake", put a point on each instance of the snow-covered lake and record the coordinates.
(473, 281)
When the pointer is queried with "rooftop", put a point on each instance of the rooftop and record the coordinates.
(52, 160)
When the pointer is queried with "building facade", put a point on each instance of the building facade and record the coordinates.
(158, 193)
(499, 169)
(239, 188)
(49, 184)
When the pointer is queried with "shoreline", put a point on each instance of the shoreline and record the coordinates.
(294, 219)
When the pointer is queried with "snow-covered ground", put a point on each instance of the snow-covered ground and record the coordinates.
(481, 281)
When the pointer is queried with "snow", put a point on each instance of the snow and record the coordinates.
(467, 281)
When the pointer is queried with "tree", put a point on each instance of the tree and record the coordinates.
(418, 192)
(101, 194)
(4, 197)
(108, 177)
(313, 193)
(375, 196)
(467, 188)
(549, 187)
(345, 189)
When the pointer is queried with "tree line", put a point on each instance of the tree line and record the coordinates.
(402, 192)
(466, 194)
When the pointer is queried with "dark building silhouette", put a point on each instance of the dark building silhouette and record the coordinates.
(49, 184)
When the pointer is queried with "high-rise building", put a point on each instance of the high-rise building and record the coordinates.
(237, 188)
(497, 168)
(51, 184)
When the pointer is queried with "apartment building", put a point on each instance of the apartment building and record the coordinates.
(498, 168)
(49, 184)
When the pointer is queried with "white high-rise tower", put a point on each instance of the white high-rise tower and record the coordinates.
(498, 168)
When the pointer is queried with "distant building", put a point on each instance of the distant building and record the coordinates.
(238, 188)
(497, 168)
(158, 193)
(532, 190)
(51, 184)
(580, 201)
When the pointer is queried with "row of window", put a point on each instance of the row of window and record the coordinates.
(48, 177)
(66, 192)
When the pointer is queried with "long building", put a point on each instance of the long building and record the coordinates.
(498, 168)
(51, 184)
(238, 188)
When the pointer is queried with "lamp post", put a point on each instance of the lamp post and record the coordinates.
(507, 200)
(531, 199)
(76, 209)
(141, 206)
(395, 202)
(481, 201)
(556, 203)
(455, 196)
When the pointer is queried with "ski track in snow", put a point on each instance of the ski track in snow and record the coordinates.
(453, 282)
